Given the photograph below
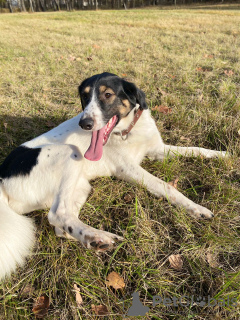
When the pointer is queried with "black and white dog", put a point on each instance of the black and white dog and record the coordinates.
(110, 137)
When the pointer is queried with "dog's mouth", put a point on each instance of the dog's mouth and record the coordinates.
(99, 139)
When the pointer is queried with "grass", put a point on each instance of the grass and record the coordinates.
(185, 59)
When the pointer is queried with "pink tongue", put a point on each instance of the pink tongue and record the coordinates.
(95, 150)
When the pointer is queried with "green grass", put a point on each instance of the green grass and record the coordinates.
(185, 59)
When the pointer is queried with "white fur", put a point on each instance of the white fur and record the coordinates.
(93, 111)
(16, 239)
(61, 178)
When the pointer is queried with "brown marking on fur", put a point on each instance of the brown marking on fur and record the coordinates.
(102, 89)
(125, 108)
(87, 89)
(126, 103)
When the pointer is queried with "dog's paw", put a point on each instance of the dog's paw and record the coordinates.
(100, 240)
(199, 212)
(215, 154)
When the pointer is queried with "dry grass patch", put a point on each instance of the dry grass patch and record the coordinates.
(187, 60)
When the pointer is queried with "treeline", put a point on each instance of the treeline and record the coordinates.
(56, 5)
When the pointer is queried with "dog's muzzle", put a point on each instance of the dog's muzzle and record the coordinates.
(86, 124)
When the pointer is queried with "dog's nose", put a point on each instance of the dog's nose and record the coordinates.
(86, 124)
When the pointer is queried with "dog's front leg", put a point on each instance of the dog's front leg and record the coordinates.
(159, 188)
(64, 216)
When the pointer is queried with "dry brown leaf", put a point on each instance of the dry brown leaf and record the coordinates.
(95, 46)
(163, 93)
(27, 290)
(162, 109)
(129, 197)
(209, 56)
(71, 58)
(212, 260)
(182, 138)
(176, 261)
(79, 299)
(89, 58)
(229, 73)
(40, 306)
(115, 280)
(174, 183)
(100, 310)
(124, 75)
(204, 69)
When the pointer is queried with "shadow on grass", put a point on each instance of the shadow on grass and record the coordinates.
(15, 130)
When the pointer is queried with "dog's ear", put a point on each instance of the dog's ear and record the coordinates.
(134, 94)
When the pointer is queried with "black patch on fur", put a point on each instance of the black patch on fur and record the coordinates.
(19, 162)
(94, 244)
(80, 232)
(104, 246)
(123, 90)
(70, 229)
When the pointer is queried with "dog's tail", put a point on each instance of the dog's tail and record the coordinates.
(16, 239)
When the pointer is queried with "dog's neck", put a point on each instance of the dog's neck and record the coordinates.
(126, 124)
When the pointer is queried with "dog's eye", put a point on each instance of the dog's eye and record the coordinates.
(108, 95)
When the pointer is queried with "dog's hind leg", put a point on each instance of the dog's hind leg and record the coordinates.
(159, 152)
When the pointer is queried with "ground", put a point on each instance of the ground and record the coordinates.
(184, 59)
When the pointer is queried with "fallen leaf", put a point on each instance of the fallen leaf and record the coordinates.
(212, 260)
(163, 93)
(174, 183)
(124, 75)
(176, 261)
(229, 73)
(95, 46)
(182, 138)
(203, 69)
(172, 76)
(40, 306)
(79, 299)
(162, 109)
(100, 310)
(89, 58)
(129, 197)
(209, 56)
(71, 58)
(27, 290)
(115, 280)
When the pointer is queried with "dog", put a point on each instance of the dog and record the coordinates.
(110, 137)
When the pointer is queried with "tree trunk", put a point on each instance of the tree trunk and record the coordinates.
(31, 5)
(57, 4)
(22, 6)
(10, 6)
(42, 4)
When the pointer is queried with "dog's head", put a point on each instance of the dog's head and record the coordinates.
(106, 100)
